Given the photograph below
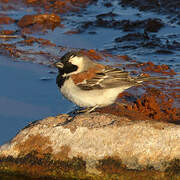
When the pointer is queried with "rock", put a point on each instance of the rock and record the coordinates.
(44, 19)
(96, 145)
(6, 20)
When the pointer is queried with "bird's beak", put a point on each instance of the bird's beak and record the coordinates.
(59, 65)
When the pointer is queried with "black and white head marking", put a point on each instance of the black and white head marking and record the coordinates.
(67, 66)
(70, 55)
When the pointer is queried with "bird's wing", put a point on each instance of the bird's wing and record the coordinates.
(108, 78)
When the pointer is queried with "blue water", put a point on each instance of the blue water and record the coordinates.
(25, 97)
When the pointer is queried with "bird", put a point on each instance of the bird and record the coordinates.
(89, 84)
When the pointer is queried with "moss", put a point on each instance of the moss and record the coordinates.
(15, 176)
(174, 168)
(32, 166)
(112, 168)
(110, 165)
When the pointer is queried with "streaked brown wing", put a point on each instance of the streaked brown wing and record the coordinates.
(108, 78)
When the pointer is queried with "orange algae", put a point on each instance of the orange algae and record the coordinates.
(151, 67)
(92, 54)
(153, 105)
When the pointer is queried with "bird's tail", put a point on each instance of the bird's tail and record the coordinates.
(140, 79)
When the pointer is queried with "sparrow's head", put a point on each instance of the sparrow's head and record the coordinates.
(73, 62)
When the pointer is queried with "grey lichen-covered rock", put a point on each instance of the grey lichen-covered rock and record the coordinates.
(96, 138)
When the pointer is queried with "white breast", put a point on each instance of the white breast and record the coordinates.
(89, 98)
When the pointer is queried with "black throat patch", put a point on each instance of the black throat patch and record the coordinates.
(68, 68)
(60, 80)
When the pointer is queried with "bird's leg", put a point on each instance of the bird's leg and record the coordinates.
(91, 109)
(87, 110)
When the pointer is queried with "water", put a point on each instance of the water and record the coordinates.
(25, 97)
(104, 38)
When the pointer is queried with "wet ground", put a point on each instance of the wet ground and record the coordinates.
(143, 38)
